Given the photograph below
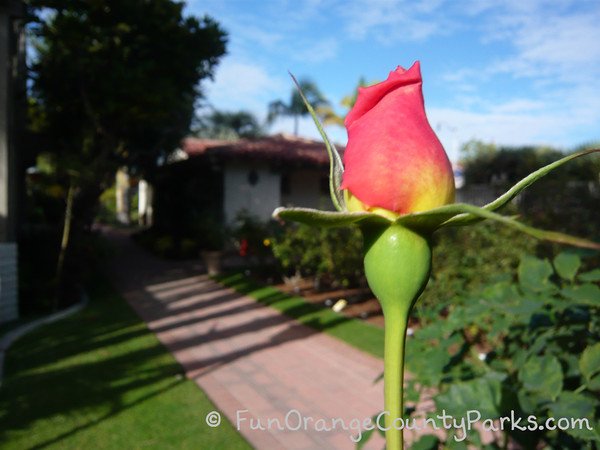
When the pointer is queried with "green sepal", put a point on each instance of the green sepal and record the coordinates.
(318, 218)
(554, 236)
(423, 222)
(467, 218)
(336, 167)
(426, 222)
(456, 214)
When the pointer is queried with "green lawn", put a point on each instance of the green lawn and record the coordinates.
(101, 380)
(359, 334)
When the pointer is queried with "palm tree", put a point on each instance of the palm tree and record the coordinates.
(328, 114)
(295, 107)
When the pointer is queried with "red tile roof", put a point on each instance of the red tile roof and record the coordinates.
(278, 148)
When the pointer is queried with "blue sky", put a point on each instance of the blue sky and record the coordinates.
(513, 72)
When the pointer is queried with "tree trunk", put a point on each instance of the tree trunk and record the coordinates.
(122, 192)
(64, 244)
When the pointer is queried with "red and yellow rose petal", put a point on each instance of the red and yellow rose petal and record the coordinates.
(394, 162)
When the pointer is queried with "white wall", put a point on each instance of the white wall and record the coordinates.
(145, 203)
(259, 200)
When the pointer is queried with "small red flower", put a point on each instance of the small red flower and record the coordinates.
(244, 247)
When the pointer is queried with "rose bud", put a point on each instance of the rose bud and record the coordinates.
(394, 163)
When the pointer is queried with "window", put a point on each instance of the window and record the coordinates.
(286, 185)
(252, 177)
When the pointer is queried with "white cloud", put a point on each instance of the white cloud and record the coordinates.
(552, 50)
(248, 86)
(390, 21)
(564, 47)
(319, 51)
(504, 127)
(519, 105)
(241, 84)
(549, 40)
(253, 34)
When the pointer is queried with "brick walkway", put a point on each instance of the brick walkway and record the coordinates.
(249, 357)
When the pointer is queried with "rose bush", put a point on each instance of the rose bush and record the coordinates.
(394, 163)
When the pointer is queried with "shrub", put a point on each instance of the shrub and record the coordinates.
(188, 201)
(167, 246)
(529, 346)
(333, 255)
(465, 259)
(187, 210)
(252, 236)
(164, 246)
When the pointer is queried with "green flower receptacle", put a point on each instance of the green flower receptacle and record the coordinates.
(397, 266)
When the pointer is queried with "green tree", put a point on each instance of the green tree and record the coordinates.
(566, 201)
(229, 125)
(113, 83)
(486, 162)
(295, 106)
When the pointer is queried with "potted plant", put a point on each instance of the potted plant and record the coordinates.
(212, 241)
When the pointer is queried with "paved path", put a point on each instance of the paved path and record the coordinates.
(248, 358)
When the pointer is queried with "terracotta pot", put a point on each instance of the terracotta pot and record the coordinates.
(212, 261)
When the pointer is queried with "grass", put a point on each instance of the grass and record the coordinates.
(364, 336)
(100, 379)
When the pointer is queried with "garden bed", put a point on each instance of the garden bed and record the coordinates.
(361, 304)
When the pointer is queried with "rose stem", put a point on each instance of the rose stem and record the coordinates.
(397, 266)
(393, 375)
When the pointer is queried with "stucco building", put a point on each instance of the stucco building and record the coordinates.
(259, 175)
